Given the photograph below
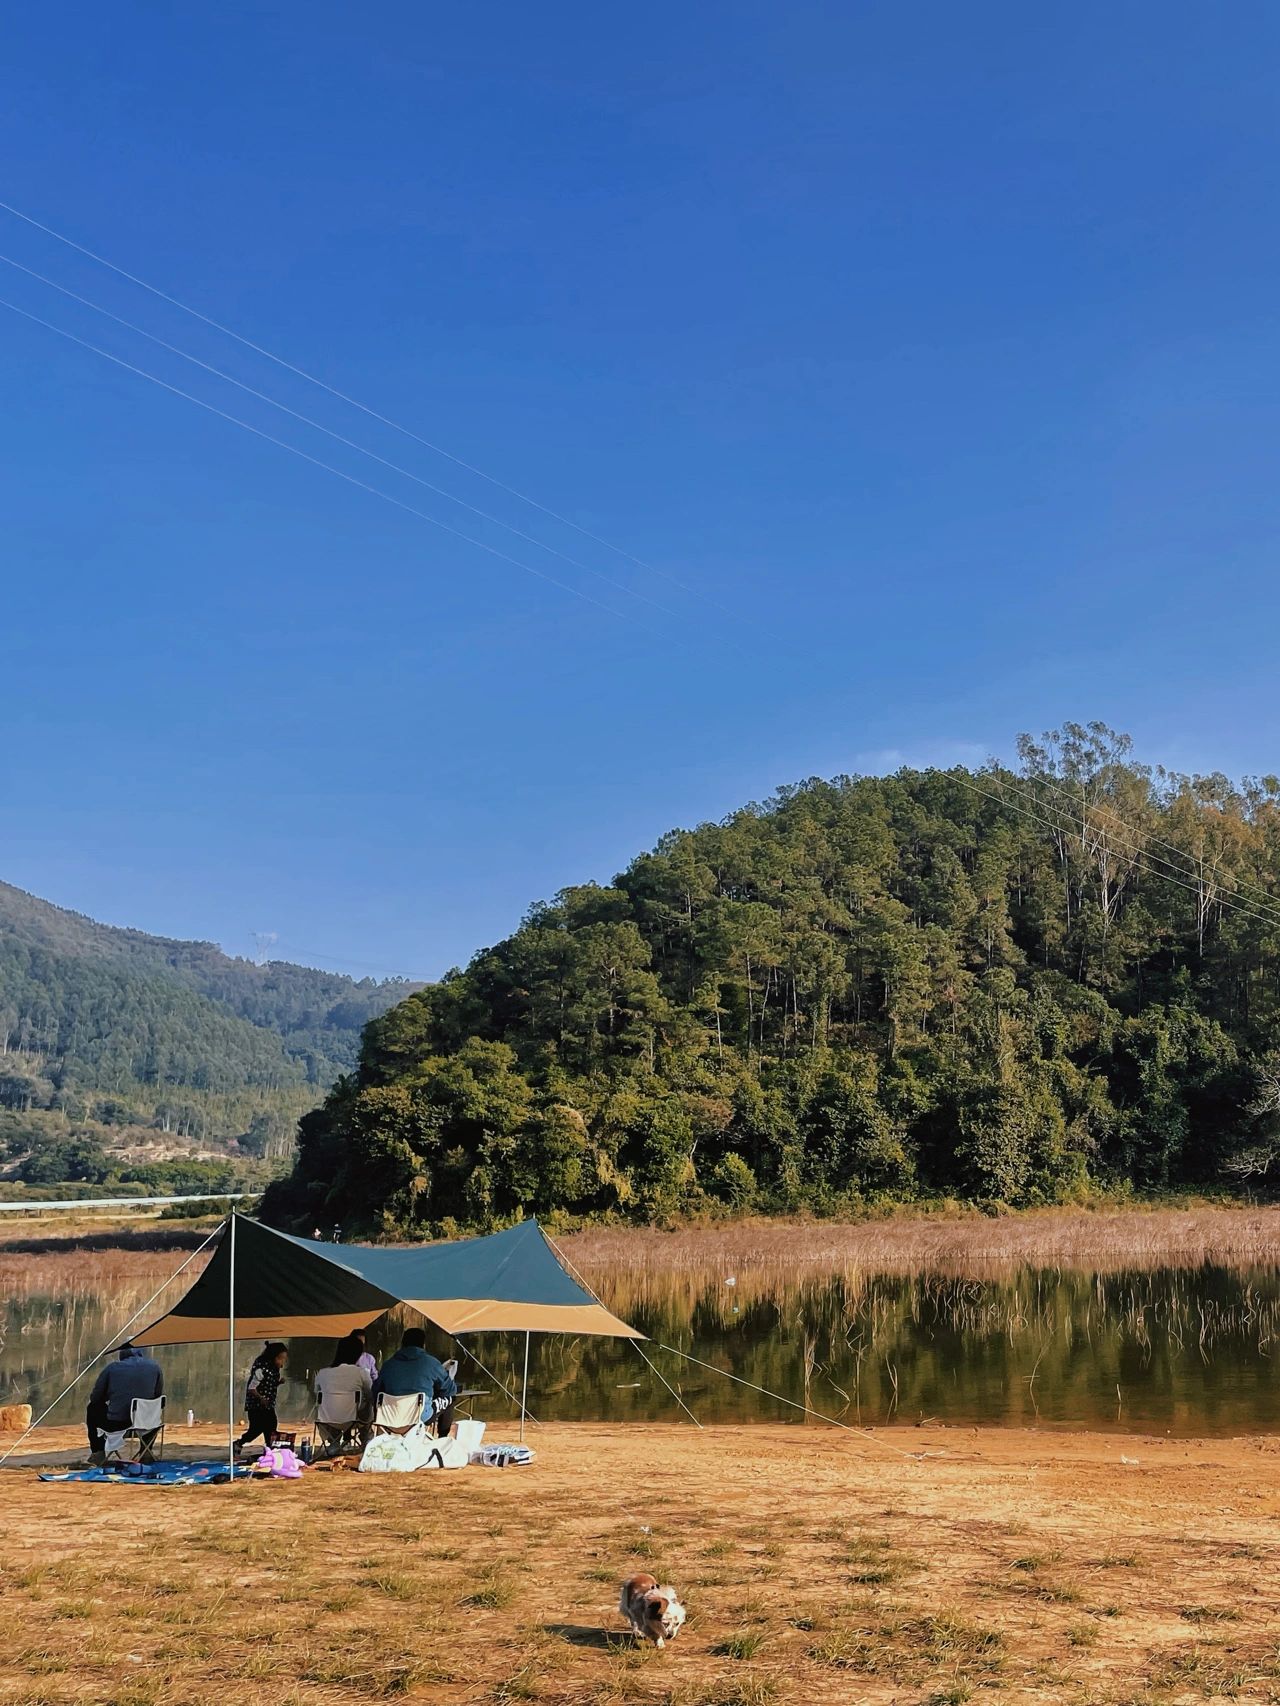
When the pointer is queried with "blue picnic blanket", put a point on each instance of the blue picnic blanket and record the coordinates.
(153, 1474)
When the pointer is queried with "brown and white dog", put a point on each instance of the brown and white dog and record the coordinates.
(654, 1613)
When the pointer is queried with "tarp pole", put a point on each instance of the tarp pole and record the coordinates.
(524, 1390)
(231, 1354)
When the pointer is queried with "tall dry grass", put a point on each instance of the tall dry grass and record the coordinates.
(960, 1244)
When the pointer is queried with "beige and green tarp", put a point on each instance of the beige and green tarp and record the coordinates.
(292, 1287)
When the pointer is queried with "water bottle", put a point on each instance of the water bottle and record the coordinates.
(191, 1418)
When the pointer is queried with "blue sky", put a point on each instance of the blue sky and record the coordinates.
(931, 353)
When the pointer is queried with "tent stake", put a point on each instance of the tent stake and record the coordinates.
(524, 1390)
(231, 1354)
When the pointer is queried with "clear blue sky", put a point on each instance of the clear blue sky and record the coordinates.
(934, 348)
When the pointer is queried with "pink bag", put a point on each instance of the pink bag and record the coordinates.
(280, 1461)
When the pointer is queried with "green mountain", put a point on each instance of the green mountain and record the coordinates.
(103, 1029)
(1018, 986)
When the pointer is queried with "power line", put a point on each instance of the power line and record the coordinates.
(315, 461)
(1264, 897)
(1009, 805)
(338, 438)
(355, 403)
(1158, 862)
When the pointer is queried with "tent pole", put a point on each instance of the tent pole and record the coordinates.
(524, 1390)
(231, 1354)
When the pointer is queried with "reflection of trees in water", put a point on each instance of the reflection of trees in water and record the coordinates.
(1188, 1349)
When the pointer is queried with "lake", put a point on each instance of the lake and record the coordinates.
(1184, 1351)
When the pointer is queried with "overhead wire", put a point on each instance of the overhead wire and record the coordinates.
(355, 403)
(1159, 863)
(337, 437)
(317, 462)
(1264, 898)
(1047, 823)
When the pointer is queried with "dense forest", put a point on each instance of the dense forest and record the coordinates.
(106, 1031)
(1006, 986)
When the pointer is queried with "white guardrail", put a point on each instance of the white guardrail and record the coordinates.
(123, 1202)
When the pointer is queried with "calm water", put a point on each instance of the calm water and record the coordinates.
(1183, 1351)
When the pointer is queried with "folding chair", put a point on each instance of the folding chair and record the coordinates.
(397, 1415)
(336, 1422)
(145, 1429)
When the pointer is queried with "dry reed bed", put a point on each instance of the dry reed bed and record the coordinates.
(961, 1245)
(819, 1568)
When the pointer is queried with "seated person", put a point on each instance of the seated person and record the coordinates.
(413, 1369)
(343, 1396)
(134, 1375)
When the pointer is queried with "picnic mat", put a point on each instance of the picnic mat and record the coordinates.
(153, 1474)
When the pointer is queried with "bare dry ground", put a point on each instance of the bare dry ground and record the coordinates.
(915, 1566)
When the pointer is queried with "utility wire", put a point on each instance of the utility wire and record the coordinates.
(282, 444)
(337, 437)
(1264, 898)
(1159, 862)
(1047, 823)
(355, 403)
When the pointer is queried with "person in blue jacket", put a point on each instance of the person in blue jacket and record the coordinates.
(133, 1375)
(413, 1369)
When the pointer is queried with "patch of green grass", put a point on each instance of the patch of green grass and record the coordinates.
(752, 1691)
(72, 1608)
(1082, 1634)
(524, 1685)
(1060, 1593)
(1209, 1613)
(495, 1590)
(852, 1649)
(394, 1584)
(877, 1575)
(744, 1644)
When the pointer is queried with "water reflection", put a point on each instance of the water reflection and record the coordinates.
(1177, 1350)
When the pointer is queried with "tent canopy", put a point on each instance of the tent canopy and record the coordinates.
(284, 1287)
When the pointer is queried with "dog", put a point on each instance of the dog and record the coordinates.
(654, 1612)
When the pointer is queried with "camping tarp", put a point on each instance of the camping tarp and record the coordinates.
(289, 1287)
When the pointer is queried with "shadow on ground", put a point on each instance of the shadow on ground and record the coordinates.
(587, 1635)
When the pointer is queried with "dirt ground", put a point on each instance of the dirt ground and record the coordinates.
(912, 1566)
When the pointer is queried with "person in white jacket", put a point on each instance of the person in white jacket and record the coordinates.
(343, 1397)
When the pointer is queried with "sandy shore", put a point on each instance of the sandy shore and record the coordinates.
(909, 1566)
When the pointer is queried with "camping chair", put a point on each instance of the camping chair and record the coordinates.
(145, 1429)
(397, 1415)
(336, 1423)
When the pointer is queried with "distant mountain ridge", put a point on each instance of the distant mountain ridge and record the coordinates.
(177, 1033)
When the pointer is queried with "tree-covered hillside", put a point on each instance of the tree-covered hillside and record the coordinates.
(109, 1028)
(994, 985)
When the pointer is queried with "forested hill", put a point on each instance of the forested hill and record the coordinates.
(1009, 985)
(115, 1027)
